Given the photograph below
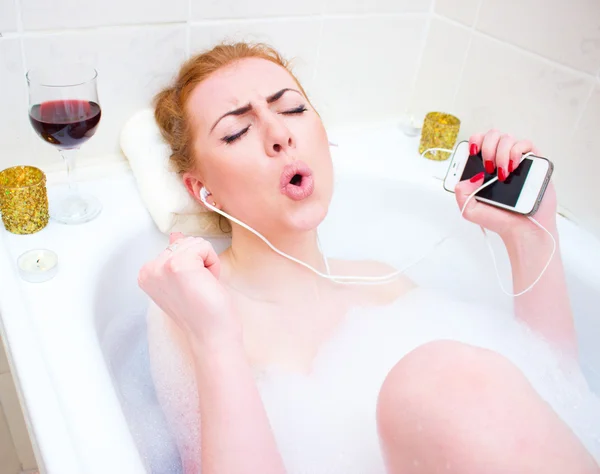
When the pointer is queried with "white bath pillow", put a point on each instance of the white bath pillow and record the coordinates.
(160, 187)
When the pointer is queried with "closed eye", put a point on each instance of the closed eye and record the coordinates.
(298, 110)
(231, 138)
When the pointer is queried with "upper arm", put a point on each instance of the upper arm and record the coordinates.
(172, 368)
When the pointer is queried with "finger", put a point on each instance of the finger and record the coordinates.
(488, 150)
(175, 236)
(475, 143)
(503, 156)
(194, 249)
(462, 192)
(518, 150)
(168, 252)
(211, 260)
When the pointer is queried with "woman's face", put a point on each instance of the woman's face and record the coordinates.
(261, 149)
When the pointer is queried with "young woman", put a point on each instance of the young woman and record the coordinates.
(240, 125)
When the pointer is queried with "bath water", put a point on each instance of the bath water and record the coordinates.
(324, 422)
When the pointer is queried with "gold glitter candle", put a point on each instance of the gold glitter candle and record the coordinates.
(23, 199)
(440, 130)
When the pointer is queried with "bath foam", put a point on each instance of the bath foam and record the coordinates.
(324, 422)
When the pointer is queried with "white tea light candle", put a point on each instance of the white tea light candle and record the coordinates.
(38, 265)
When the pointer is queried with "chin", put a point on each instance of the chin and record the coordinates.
(308, 216)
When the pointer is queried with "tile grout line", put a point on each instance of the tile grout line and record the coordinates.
(544, 59)
(466, 55)
(315, 16)
(582, 111)
(20, 33)
(90, 29)
(424, 40)
(209, 21)
(318, 52)
(188, 31)
(533, 54)
(351, 16)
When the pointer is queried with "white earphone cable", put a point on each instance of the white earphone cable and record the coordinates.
(346, 279)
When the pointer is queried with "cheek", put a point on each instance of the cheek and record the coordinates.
(318, 131)
(243, 181)
(319, 146)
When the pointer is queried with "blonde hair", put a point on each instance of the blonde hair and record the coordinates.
(170, 103)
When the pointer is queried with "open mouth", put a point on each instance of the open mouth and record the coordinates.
(297, 181)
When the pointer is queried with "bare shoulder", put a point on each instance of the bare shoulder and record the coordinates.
(380, 294)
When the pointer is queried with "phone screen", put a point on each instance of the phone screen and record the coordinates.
(506, 192)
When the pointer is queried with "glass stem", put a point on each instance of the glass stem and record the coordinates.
(69, 157)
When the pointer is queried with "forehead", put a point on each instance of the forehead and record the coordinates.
(237, 84)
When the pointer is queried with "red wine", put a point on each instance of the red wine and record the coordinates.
(65, 123)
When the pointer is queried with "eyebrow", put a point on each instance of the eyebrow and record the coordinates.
(247, 108)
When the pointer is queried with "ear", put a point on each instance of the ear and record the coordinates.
(193, 185)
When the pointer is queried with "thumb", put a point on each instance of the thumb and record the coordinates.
(175, 236)
(464, 189)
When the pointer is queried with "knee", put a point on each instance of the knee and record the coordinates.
(435, 386)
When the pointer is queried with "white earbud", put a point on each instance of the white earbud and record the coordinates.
(365, 280)
(204, 193)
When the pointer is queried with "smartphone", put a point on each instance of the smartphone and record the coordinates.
(522, 191)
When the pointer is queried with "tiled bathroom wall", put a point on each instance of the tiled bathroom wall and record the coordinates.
(528, 67)
(531, 68)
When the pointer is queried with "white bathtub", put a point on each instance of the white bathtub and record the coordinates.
(60, 334)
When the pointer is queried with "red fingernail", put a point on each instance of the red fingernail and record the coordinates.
(473, 150)
(501, 174)
(489, 167)
(477, 177)
(511, 166)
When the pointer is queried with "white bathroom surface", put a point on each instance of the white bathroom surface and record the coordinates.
(52, 329)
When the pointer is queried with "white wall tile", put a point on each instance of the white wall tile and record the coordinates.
(14, 122)
(440, 69)
(518, 93)
(345, 6)
(8, 16)
(568, 32)
(295, 39)
(376, 6)
(580, 167)
(224, 9)
(133, 63)
(16, 423)
(56, 14)
(463, 11)
(367, 66)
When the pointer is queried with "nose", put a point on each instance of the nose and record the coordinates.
(279, 138)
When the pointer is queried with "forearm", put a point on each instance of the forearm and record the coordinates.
(546, 307)
(235, 432)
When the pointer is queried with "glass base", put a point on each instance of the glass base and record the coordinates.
(74, 208)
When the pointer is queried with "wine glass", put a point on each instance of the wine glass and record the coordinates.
(64, 111)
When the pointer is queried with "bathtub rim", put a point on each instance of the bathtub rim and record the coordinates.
(47, 426)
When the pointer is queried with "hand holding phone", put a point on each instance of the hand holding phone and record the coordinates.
(528, 192)
(521, 192)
